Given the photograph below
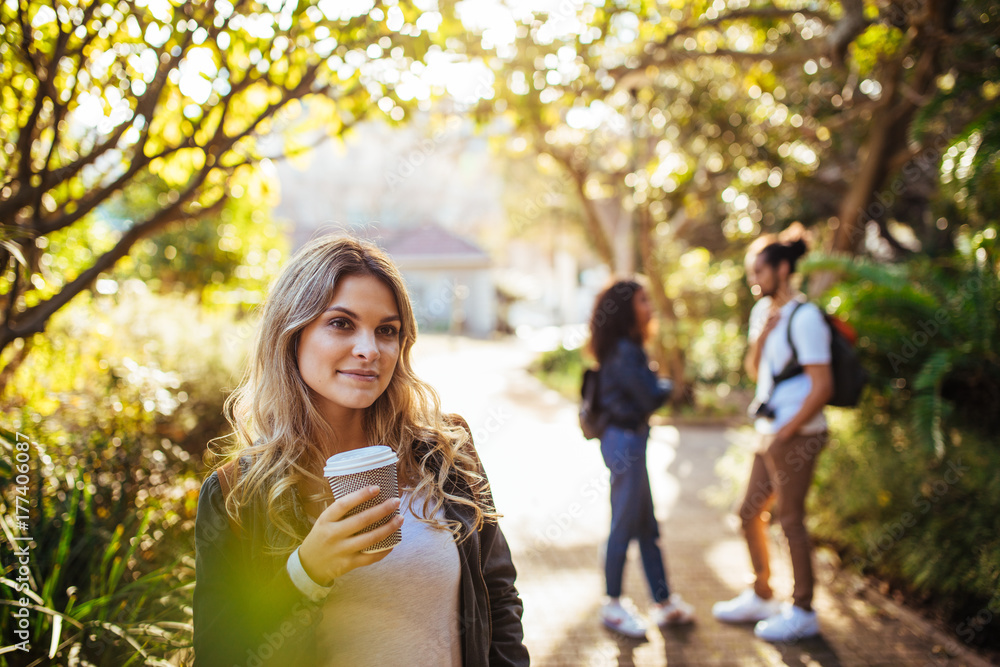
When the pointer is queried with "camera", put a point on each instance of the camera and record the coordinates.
(665, 386)
(761, 410)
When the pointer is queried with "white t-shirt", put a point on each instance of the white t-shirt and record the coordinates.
(811, 336)
(402, 610)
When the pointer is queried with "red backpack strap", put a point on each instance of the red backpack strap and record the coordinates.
(227, 479)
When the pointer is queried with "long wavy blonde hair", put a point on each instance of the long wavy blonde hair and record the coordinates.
(277, 425)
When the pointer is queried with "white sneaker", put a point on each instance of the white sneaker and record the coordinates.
(623, 618)
(747, 607)
(675, 611)
(791, 624)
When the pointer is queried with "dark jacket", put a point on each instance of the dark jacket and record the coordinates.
(247, 611)
(629, 390)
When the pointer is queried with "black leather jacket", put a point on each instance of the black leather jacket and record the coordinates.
(629, 390)
(248, 613)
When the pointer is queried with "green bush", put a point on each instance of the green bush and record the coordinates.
(721, 396)
(118, 402)
(562, 370)
(928, 525)
(929, 335)
(106, 582)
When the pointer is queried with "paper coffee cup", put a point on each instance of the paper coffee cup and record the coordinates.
(349, 471)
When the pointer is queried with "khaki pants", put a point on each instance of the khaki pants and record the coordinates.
(780, 478)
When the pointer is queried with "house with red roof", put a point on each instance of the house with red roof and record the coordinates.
(449, 278)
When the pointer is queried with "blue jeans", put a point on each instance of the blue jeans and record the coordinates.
(632, 517)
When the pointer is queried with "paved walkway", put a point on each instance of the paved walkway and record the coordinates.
(551, 485)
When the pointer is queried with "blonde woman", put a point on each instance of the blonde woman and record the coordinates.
(281, 577)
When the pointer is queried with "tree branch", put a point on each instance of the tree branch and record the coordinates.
(13, 364)
(88, 13)
(673, 355)
(95, 198)
(145, 105)
(12, 293)
(846, 30)
(593, 222)
(883, 228)
(664, 53)
(26, 192)
(759, 13)
(26, 133)
(33, 320)
(778, 58)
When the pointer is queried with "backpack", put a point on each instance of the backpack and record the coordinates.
(849, 376)
(592, 420)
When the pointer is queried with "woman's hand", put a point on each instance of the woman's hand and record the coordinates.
(331, 549)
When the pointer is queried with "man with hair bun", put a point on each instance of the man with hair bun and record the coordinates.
(789, 418)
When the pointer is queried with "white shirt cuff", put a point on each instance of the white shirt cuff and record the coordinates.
(303, 581)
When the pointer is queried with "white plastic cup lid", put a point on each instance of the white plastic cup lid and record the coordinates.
(359, 460)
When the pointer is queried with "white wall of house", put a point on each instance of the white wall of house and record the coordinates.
(458, 301)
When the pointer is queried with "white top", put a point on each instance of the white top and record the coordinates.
(402, 610)
(811, 336)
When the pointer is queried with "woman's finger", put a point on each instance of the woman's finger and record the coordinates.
(341, 506)
(373, 537)
(362, 559)
(353, 524)
(349, 525)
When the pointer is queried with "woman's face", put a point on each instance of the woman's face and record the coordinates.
(643, 309)
(348, 354)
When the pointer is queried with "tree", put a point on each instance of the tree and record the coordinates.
(720, 120)
(863, 84)
(102, 97)
(647, 150)
(227, 259)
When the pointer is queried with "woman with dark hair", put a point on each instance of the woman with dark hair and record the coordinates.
(788, 412)
(629, 393)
